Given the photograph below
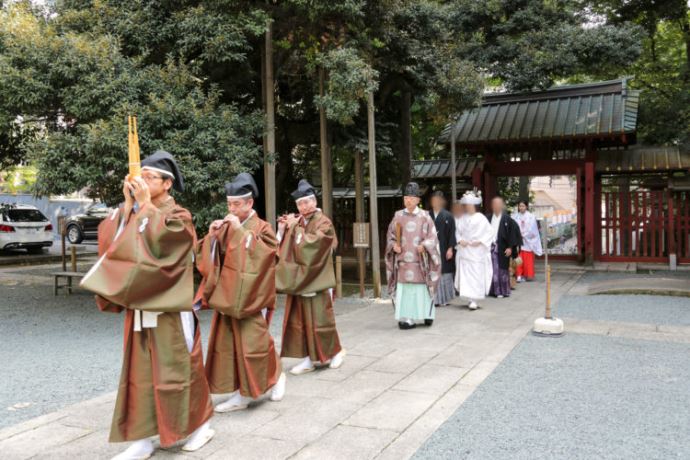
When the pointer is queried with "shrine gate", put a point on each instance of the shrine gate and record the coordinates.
(632, 200)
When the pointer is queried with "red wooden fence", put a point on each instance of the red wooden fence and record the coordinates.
(633, 226)
(681, 225)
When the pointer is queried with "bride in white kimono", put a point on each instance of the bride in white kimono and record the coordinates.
(474, 236)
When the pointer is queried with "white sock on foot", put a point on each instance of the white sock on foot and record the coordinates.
(236, 402)
(278, 390)
(303, 367)
(199, 438)
(139, 450)
(337, 360)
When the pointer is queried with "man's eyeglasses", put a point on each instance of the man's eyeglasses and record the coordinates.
(149, 178)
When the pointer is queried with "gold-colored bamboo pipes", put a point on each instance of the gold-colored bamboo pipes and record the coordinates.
(133, 150)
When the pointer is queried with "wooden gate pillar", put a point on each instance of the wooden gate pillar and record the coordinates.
(489, 190)
(671, 231)
(476, 179)
(589, 212)
(580, 177)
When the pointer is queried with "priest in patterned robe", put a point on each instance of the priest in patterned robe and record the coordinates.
(305, 273)
(146, 269)
(237, 260)
(413, 263)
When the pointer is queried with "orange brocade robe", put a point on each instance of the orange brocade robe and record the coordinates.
(305, 273)
(238, 282)
(146, 265)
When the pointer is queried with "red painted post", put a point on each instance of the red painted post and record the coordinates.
(597, 217)
(489, 190)
(646, 228)
(654, 220)
(671, 233)
(580, 218)
(477, 178)
(607, 214)
(589, 212)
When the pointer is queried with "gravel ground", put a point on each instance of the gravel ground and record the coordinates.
(59, 350)
(627, 308)
(576, 397)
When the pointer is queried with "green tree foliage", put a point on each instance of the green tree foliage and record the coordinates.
(192, 71)
(663, 70)
(529, 44)
(77, 86)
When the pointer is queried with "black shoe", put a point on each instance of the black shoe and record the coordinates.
(404, 325)
(428, 322)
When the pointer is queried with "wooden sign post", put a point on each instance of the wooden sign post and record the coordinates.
(548, 325)
(62, 229)
(360, 231)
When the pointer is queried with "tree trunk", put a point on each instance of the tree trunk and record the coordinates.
(373, 203)
(326, 161)
(284, 168)
(406, 137)
(270, 138)
(685, 27)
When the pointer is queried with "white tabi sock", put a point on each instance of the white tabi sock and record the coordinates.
(303, 367)
(199, 438)
(236, 402)
(337, 360)
(278, 390)
(139, 450)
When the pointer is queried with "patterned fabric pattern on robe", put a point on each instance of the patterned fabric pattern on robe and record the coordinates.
(410, 266)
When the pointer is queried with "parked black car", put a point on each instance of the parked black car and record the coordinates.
(84, 226)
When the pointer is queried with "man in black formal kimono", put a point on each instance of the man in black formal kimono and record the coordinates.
(445, 230)
(506, 239)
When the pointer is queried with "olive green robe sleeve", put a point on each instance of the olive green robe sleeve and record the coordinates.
(305, 263)
(239, 275)
(107, 230)
(148, 265)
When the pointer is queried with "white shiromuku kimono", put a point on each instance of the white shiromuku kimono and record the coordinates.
(531, 240)
(474, 269)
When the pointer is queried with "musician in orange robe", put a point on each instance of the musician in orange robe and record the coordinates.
(237, 260)
(146, 268)
(305, 273)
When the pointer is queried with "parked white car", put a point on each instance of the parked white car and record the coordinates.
(24, 226)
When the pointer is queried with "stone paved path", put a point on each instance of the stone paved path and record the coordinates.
(394, 390)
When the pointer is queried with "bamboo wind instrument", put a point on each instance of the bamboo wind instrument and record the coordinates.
(133, 150)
